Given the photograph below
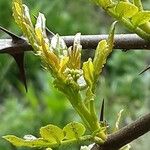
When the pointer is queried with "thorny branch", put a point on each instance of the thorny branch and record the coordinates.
(121, 41)
(16, 46)
(126, 135)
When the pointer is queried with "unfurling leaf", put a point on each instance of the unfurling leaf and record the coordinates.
(40, 29)
(58, 46)
(126, 9)
(36, 142)
(42, 42)
(63, 64)
(52, 133)
(74, 130)
(100, 57)
(51, 61)
(74, 53)
(110, 39)
(88, 72)
(18, 9)
(103, 49)
(140, 18)
(22, 18)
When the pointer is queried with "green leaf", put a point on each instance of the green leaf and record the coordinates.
(40, 28)
(103, 3)
(126, 9)
(37, 142)
(100, 57)
(52, 133)
(88, 72)
(26, 16)
(74, 130)
(18, 9)
(110, 40)
(103, 49)
(140, 18)
(14, 140)
(22, 18)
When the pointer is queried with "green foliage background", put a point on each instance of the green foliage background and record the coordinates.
(121, 86)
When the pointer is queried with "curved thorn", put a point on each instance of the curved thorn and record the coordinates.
(13, 36)
(144, 70)
(49, 33)
(19, 58)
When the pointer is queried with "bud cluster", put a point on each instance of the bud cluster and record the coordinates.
(73, 74)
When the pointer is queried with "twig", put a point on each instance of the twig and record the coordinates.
(126, 135)
(122, 41)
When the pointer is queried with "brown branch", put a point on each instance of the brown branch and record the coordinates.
(122, 41)
(126, 135)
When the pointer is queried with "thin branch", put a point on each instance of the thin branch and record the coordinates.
(122, 41)
(126, 135)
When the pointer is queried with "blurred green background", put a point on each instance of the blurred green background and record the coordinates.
(120, 85)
